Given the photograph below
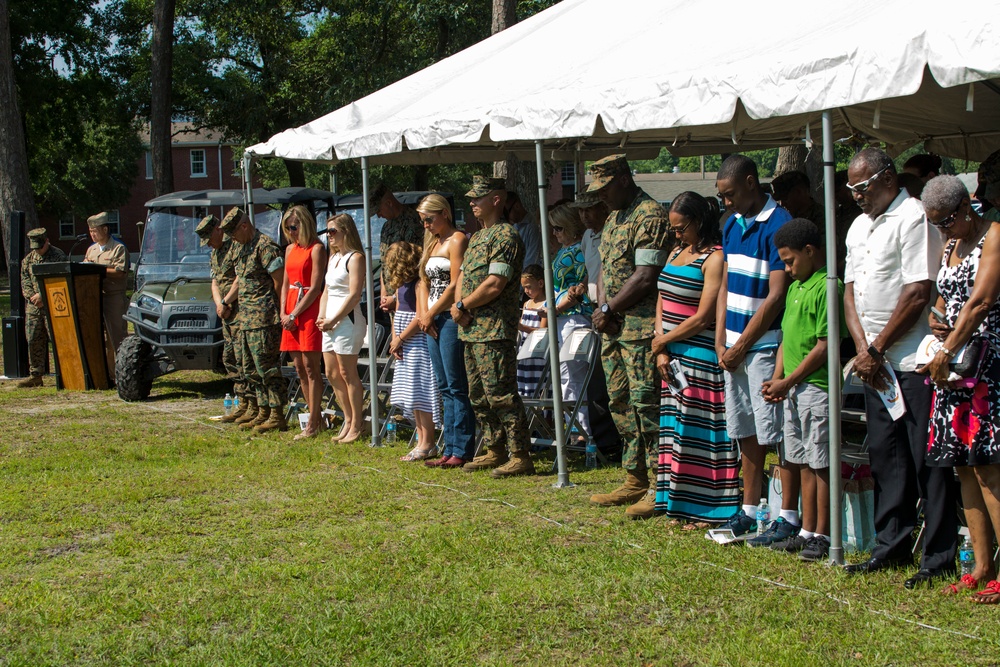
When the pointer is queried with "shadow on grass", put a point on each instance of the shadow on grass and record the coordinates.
(189, 385)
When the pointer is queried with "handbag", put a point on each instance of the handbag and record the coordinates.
(968, 359)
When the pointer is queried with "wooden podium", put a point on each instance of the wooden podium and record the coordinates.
(71, 292)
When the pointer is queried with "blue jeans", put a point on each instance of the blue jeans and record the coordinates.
(447, 357)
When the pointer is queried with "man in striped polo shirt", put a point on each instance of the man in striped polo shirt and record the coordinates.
(751, 302)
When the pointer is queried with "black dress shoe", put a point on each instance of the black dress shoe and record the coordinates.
(876, 564)
(928, 576)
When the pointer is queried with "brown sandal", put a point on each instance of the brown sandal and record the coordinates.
(697, 525)
(989, 595)
(966, 583)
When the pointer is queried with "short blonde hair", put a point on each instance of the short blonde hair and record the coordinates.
(569, 219)
(307, 225)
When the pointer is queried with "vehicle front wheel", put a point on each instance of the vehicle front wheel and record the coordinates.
(132, 369)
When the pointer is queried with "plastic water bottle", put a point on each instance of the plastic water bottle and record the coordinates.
(236, 402)
(591, 454)
(966, 557)
(227, 405)
(763, 516)
(390, 432)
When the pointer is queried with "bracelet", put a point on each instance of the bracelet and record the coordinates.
(949, 353)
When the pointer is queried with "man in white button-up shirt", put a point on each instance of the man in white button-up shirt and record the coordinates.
(893, 257)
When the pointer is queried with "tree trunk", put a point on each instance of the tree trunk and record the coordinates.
(421, 177)
(160, 109)
(790, 158)
(296, 173)
(504, 15)
(15, 186)
(519, 175)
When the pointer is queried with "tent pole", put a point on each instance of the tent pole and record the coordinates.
(248, 184)
(562, 480)
(370, 290)
(833, 349)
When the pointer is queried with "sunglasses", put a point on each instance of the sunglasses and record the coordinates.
(556, 229)
(293, 228)
(427, 220)
(947, 222)
(680, 231)
(863, 186)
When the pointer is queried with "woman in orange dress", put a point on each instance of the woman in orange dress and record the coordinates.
(305, 262)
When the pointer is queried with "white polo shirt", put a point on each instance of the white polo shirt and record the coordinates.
(883, 255)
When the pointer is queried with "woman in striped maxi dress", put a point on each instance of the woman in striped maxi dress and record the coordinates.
(698, 473)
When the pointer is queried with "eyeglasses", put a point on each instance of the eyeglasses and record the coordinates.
(556, 229)
(947, 222)
(293, 228)
(680, 231)
(863, 186)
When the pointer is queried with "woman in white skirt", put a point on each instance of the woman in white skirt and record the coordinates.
(342, 323)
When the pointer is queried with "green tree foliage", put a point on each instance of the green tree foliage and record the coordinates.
(81, 134)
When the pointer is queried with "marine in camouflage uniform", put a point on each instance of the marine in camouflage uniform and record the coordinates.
(489, 331)
(36, 324)
(636, 237)
(257, 259)
(227, 305)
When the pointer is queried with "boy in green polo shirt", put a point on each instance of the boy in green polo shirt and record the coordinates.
(801, 380)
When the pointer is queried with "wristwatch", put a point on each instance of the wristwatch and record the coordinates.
(874, 353)
(606, 309)
(460, 306)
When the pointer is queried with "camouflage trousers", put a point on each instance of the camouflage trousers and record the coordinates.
(230, 360)
(260, 358)
(37, 332)
(492, 371)
(634, 400)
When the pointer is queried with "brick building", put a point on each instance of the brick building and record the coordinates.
(202, 160)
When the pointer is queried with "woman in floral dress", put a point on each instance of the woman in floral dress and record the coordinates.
(965, 419)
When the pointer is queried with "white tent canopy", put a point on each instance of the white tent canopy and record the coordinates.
(601, 75)
(590, 77)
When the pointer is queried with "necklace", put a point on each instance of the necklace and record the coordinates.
(972, 240)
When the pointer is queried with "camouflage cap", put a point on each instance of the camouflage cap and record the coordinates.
(233, 218)
(206, 227)
(376, 196)
(989, 172)
(98, 220)
(585, 199)
(37, 237)
(483, 185)
(605, 170)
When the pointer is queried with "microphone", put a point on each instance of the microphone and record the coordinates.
(79, 238)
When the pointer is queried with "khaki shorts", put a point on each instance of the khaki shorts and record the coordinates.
(807, 427)
(747, 413)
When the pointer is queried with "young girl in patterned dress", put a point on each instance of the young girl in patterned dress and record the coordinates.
(529, 371)
(414, 387)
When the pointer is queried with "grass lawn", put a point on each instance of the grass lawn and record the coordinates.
(145, 533)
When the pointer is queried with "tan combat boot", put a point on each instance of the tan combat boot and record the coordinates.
(249, 412)
(28, 382)
(263, 414)
(520, 463)
(632, 490)
(493, 458)
(275, 422)
(237, 413)
(645, 508)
